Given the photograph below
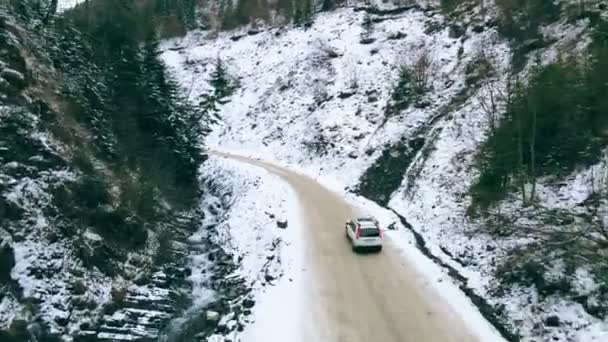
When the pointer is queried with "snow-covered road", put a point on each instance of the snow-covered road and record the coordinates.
(375, 297)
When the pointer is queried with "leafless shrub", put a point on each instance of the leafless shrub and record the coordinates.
(326, 49)
(419, 70)
(320, 94)
(353, 82)
(422, 69)
(490, 96)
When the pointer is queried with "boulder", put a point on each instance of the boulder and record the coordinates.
(248, 303)
(552, 321)
(282, 224)
(212, 316)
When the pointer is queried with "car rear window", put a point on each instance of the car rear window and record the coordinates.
(369, 232)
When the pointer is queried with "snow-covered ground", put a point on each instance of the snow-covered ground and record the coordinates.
(250, 232)
(270, 257)
(314, 100)
(67, 4)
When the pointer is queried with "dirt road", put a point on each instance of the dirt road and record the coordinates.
(361, 298)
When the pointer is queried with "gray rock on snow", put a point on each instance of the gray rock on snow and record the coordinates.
(248, 303)
(282, 224)
(212, 316)
(552, 321)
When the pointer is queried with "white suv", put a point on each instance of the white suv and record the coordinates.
(364, 233)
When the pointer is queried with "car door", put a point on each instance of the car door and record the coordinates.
(350, 228)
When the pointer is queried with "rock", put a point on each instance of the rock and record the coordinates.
(221, 329)
(345, 94)
(456, 31)
(14, 77)
(282, 224)
(552, 321)
(62, 321)
(392, 226)
(78, 288)
(248, 303)
(398, 35)
(359, 137)
(478, 29)
(331, 53)
(212, 316)
(268, 277)
(7, 261)
(490, 248)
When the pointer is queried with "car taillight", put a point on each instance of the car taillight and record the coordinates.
(358, 233)
(380, 232)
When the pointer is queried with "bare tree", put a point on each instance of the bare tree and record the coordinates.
(353, 82)
(532, 108)
(421, 69)
(490, 95)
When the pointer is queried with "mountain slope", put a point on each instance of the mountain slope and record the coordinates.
(323, 100)
(98, 181)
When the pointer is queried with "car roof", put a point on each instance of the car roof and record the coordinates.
(365, 218)
(366, 221)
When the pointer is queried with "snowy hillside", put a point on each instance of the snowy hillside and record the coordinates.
(67, 4)
(320, 101)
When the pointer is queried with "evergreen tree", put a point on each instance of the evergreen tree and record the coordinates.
(228, 16)
(304, 13)
(404, 93)
(327, 5)
(286, 8)
(220, 80)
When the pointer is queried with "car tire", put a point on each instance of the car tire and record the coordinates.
(379, 249)
(355, 249)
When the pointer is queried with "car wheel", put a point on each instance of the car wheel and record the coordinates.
(355, 249)
(379, 249)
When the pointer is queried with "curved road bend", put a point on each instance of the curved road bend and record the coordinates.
(360, 298)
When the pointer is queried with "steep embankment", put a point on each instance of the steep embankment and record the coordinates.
(392, 105)
(98, 181)
(379, 296)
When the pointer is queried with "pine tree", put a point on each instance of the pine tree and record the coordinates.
(286, 8)
(303, 14)
(298, 15)
(221, 82)
(228, 15)
(327, 5)
(404, 93)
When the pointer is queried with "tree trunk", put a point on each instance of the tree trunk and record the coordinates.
(511, 91)
(51, 10)
(520, 159)
(533, 153)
